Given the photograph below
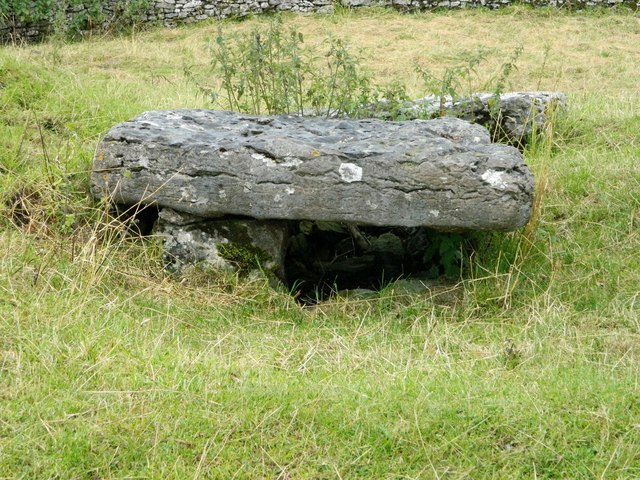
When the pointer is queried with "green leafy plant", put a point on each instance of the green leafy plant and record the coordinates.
(506, 69)
(388, 102)
(445, 252)
(499, 85)
(262, 72)
(456, 83)
(27, 10)
(70, 18)
(452, 81)
(130, 13)
(272, 71)
(341, 88)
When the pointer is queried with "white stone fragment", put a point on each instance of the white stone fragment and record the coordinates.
(494, 178)
(350, 172)
(266, 160)
(291, 162)
(187, 194)
(184, 237)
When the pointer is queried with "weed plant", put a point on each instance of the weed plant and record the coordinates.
(272, 71)
(455, 79)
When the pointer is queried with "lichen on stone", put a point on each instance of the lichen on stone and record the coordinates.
(245, 257)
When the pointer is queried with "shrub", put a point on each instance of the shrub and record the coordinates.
(272, 71)
(70, 18)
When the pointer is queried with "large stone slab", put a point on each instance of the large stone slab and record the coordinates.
(513, 116)
(443, 173)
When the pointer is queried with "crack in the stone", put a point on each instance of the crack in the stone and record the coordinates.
(208, 173)
(195, 173)
(315, 174)
(128, 140)
(419, 189)
(261, 151)
(272, 182)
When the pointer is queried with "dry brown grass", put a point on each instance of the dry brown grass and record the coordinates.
(571, 53)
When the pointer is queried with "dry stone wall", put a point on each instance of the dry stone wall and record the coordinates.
(83, 17)
(174, 12)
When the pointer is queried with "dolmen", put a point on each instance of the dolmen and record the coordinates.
(233, 188)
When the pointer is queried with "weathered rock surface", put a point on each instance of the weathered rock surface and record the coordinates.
(515, 116)
(229, 244)
(443, 173)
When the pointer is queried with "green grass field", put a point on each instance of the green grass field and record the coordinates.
(528, 367)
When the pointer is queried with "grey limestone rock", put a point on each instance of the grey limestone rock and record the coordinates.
(229, 244)
(514, 116)
(443, 173)
(328, 200)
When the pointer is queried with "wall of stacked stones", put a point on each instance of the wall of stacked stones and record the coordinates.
(174, 12)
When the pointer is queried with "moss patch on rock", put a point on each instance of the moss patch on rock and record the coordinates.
(246, 257)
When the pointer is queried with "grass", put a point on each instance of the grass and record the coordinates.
(527, 368)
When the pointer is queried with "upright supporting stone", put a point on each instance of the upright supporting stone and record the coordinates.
(226, 244)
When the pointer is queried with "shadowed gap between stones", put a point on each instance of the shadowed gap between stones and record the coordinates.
(319, 258)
